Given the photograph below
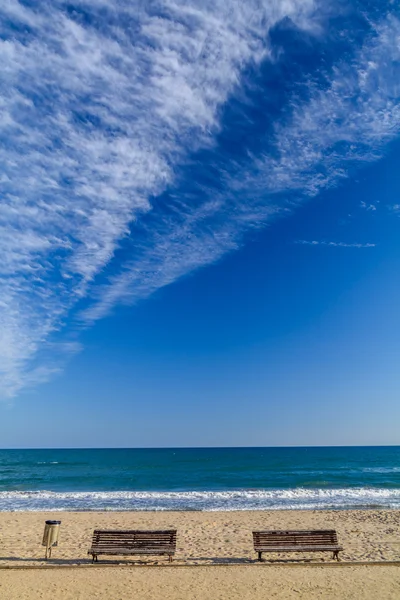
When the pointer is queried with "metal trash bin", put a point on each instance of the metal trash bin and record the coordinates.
(50, 536)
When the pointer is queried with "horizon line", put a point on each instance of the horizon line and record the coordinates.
(205, 447)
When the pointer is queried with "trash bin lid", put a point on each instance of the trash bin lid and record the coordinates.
(53, 522)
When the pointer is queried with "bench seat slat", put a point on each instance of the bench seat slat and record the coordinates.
(295, 531)
(297, 548)
(137, 531)
(137, 552)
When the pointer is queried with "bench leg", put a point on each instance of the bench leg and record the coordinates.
(336, 555)
(260, 556)
(169, 557)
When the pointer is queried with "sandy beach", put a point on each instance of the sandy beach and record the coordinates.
(196, 583)
(219, 541)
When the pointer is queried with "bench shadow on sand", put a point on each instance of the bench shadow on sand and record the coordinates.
(192, 561)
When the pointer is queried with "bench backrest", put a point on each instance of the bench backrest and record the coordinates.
(134, 539)
(317, 537)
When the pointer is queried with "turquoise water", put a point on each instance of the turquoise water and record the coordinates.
(200, 478)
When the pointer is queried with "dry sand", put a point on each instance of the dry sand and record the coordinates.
(220, 541)
(203, 583)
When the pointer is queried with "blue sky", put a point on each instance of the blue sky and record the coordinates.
(200, 213)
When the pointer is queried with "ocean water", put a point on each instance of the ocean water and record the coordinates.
(200, 478)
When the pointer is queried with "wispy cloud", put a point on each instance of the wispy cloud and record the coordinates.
(340, 127)
(98, 105)
(99, 109)
(368, 207)
(345, 124)
(334, 244)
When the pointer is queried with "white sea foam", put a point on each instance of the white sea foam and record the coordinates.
(300, 498)
(381, 470)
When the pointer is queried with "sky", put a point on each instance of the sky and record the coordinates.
(199, 223)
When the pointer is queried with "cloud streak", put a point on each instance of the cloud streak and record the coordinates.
(101, 107)
(335, 244)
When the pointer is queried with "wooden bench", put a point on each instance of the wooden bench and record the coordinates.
(318, 540)
(133, 542)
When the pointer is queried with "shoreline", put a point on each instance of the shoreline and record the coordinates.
(61, 511)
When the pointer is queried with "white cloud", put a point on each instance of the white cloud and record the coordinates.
(95, 115)
(95, 118)
(335, 244)
(348, 123)
(340, 127)
(368, 207)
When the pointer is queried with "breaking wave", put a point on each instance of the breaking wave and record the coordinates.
(297, 498)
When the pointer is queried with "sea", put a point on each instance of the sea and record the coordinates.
(200, 479)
